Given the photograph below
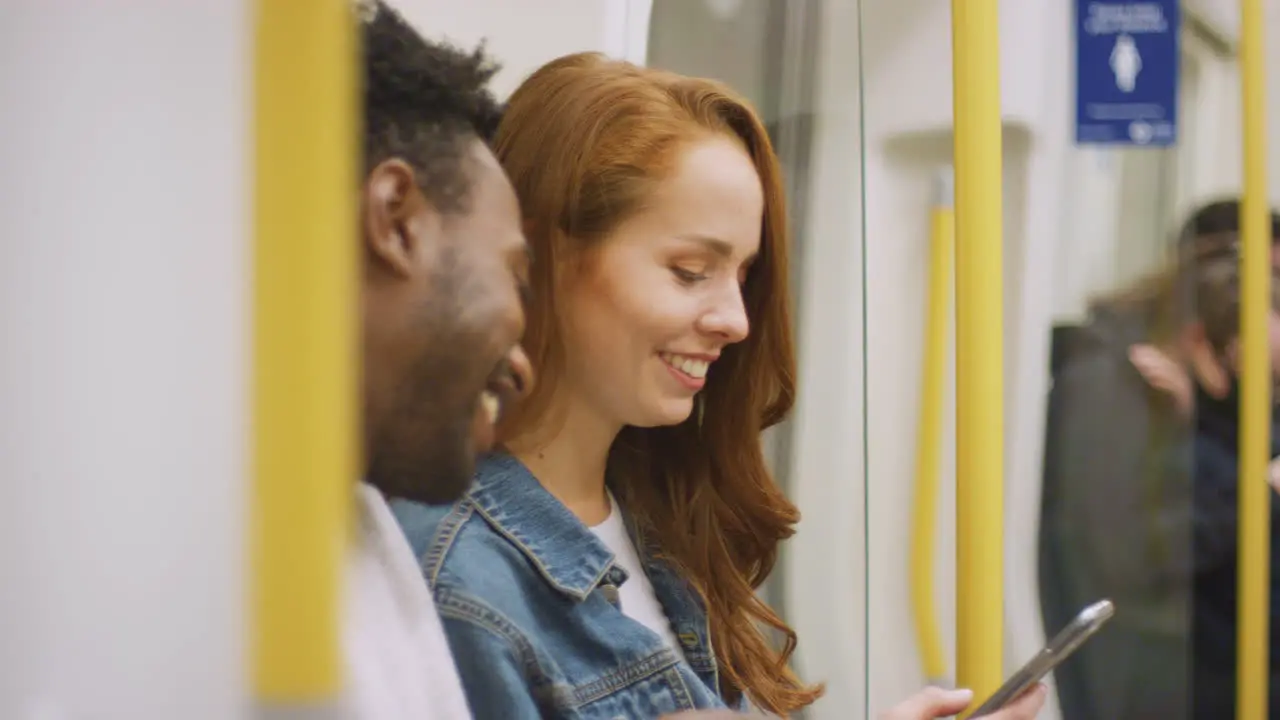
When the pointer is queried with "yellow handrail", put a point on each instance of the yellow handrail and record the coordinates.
(979, 346)
(1255, 396)
(305, 291)
(929, 438)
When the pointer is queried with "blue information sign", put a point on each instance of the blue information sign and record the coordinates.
(1127, 57)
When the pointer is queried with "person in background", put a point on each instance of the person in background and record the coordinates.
(1200, 378)
(1119, 472)
(605, 562)
(444, 259)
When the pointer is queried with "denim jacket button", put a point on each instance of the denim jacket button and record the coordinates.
(610, 593)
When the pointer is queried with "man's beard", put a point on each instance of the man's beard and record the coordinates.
(424, 451)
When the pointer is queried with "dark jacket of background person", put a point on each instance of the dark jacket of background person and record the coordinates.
(1116, 523)
(1216, 544)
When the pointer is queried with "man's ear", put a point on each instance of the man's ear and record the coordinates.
(397, 219)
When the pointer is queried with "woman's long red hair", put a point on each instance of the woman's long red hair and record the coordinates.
(585, 140)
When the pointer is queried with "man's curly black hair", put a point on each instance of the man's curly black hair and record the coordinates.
(424, 102)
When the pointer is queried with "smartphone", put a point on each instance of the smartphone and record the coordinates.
(1061, 647)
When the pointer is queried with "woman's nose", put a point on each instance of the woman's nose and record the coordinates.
(728, 318)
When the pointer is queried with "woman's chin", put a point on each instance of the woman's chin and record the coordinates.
(668, 413)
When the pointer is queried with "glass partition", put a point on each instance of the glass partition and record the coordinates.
(1119, 328)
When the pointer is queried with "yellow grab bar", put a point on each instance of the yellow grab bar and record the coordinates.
(1255, 396)
(305, 293)
(929, 437)
(979, 346)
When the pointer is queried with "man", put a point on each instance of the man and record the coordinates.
(444, 261)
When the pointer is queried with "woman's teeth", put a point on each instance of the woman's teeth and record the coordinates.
(692, 367)
(492, 406)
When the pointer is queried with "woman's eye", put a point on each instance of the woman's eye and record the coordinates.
(688, 276)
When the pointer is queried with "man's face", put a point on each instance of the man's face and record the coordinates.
(443, 320)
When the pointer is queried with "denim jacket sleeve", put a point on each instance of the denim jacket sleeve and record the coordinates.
(494, 660)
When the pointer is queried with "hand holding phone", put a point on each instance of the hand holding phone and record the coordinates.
(932, 703)
(1061, 647)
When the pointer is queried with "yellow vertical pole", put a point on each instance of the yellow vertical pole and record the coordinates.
(305, 292)
(979, 346)
(929, 437)
(1255, 404)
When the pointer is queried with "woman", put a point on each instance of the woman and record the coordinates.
(605, 565)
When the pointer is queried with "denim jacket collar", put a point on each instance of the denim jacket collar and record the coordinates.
(565, 552)
(575, 562)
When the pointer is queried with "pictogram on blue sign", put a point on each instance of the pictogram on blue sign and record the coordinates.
(1127, 57)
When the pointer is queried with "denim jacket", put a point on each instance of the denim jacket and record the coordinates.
(528, 597)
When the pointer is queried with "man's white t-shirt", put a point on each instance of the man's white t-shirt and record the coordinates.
(636, 595)
(398, 661)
